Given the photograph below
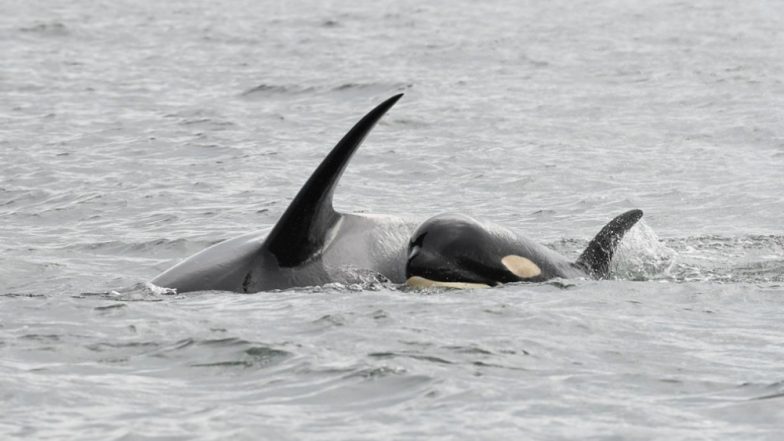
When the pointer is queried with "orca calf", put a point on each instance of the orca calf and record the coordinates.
(312, 244)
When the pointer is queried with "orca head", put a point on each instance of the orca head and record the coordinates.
(456, 251)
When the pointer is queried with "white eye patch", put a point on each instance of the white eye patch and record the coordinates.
(521, 266)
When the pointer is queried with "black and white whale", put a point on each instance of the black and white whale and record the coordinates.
(312, 244)
(455, 250)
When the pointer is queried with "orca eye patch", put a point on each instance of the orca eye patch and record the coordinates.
(521, 267)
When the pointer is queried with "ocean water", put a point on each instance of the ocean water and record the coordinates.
(134, 134)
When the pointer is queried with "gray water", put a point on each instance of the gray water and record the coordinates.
(133, 134)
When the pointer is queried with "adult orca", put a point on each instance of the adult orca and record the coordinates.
(312, 244)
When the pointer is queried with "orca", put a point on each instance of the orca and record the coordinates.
(458, 251)
(312, 244)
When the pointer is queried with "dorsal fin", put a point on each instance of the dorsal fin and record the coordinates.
(596, 258)
(303, 228)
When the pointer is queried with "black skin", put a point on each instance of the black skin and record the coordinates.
(458, 248)
(449, 250)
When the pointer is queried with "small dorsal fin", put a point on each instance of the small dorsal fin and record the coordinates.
(596, 258)
(303, 228)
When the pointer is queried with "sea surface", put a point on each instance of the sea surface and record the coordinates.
(135, 133)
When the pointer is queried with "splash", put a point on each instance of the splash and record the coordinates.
(746, 259)
(641, 255)
(140, 292)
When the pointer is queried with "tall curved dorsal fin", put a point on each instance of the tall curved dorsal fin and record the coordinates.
(304, 226)
(597, 256)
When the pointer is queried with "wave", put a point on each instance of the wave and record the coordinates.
(52, 29)
(267, 90)
(710, 258)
